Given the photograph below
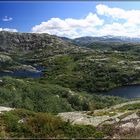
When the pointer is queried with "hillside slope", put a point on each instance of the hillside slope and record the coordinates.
(120, 121)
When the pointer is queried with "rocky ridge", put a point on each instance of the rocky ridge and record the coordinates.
(122, 122)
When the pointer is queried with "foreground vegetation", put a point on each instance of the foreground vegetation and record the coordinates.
(27, 124)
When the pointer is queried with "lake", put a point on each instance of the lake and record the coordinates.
(22, 73)
(132, 91)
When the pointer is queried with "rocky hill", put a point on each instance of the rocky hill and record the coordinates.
(120, 121)
(16, 48)
(25, 42)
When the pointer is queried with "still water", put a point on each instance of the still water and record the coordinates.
(22, 73)
(132, 91)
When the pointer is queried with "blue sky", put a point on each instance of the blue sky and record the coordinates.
(24, 16)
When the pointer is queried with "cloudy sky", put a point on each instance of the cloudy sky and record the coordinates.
(72, 19)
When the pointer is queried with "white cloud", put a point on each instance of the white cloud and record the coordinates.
(105, 21)
(8, 29)
(68, 27)
(131, 16)
(114, 12)
(6, 18)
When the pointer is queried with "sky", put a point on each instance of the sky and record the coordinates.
(72, 19)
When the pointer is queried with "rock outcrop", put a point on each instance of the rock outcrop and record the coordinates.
(3, 109)
(123, 122)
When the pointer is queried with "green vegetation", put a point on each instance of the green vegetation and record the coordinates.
(130, 107)
(125, 115)
(72, 80)
(40, 96)
(99, 71)
(103, 113)
(27, 124)
(107, 129)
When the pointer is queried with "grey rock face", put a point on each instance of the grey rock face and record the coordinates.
(10, 42)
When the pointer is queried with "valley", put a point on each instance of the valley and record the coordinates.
(42, 76)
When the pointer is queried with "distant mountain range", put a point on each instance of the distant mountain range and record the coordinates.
(25, 42)
(104, 39)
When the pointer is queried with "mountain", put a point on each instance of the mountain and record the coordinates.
(30, 42)
(87, 41)
(106, 42)
(26, 42)
(105, 39)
